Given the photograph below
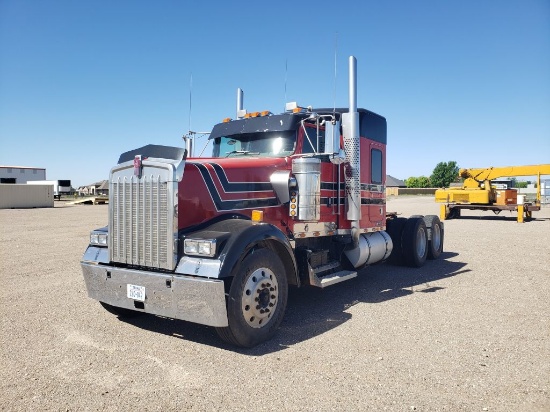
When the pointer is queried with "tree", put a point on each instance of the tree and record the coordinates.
(421, 181)
(444, 174)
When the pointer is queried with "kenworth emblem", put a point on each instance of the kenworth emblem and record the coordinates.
(137, 166)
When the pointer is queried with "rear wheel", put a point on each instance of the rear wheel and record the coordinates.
(257, 299)
(415, 242)
(395, 230)
(435, 236)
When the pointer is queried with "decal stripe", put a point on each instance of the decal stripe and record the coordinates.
(230, 205)
(364, 186)
(231, 187)
(364, 201)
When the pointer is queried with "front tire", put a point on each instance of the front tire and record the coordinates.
(257, 299)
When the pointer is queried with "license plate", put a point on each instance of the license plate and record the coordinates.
(136, 292)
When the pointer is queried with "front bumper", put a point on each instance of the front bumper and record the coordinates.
(174, 296)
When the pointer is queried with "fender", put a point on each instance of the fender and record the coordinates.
(237, 237)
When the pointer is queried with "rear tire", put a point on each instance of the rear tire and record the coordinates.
(120, 312)
(435, 236)
(257, 299)
(395, 228)
(415, 242)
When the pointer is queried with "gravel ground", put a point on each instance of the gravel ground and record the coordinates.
(469, 332)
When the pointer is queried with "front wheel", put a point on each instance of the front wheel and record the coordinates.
(257, 299)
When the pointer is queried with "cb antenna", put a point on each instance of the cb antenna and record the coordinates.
(188, 137)
(190, 98)
(334, 87)
(286, 75)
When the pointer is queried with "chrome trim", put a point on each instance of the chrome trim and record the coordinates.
(142, 213)
(174, 296)
(96, 254)
(196, 266)
(279, 181)
(314, 229)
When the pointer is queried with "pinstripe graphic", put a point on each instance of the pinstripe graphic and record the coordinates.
(228, 205)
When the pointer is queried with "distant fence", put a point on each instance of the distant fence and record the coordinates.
(399, 191)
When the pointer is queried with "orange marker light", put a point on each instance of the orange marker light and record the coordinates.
(257, 215)
(226, 120)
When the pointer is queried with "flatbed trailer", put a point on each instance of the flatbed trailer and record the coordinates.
(525, 210)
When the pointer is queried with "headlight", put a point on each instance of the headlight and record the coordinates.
(98, 238)
(200, 247)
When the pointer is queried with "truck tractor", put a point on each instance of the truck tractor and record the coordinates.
(286, 200)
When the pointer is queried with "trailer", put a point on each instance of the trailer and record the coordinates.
(479, 193)
(60, 187)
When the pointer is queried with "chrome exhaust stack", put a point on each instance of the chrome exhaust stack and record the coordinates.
(350, 129)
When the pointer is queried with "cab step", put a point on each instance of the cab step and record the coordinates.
(325, 275)
(337, 277)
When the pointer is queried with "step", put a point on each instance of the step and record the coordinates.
(336, 278)
(328, 266)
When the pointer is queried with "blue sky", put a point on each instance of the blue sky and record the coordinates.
(83, 81)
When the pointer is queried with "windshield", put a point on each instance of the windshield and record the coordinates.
(262, 144)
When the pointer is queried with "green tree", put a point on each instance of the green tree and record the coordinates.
(444, 174)
(520, 184)
(420, 181)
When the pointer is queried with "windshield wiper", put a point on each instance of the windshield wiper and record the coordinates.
(244, 152)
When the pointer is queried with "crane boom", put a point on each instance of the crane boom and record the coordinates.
(491, 173)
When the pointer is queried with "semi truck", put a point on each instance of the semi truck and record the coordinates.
(295, 199)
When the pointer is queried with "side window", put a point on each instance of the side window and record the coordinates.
(225, 145)
(376, 166)
(310, 145)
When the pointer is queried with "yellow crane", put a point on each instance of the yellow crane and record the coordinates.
(478, 193)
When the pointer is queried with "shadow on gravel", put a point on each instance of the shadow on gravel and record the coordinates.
(311, 312)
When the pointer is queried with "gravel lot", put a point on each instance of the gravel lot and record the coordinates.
(470, 331)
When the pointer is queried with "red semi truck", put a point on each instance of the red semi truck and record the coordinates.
(293, 199)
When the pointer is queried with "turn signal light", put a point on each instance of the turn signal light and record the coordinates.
(257, 215)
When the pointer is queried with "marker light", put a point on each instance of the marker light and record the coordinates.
(257, 215)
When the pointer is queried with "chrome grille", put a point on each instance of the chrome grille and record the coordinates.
(140, 225)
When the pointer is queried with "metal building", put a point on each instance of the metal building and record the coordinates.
(21, 174)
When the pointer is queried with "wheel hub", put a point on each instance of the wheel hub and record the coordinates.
(260, 296)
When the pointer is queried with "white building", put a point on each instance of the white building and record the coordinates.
(21, 174)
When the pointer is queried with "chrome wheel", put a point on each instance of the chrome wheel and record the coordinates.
(259, 300)
(421, 242)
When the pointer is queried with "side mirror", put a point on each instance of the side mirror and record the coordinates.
(332, 142)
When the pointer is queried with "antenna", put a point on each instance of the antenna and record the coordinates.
(190, 98)
(286, 75)
(335, 55)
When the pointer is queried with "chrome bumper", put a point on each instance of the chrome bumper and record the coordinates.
(175, 296)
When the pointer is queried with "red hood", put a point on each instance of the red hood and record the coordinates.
(214, 186)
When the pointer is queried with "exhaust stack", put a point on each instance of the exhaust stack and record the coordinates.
(350, 128)
(240, 111)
